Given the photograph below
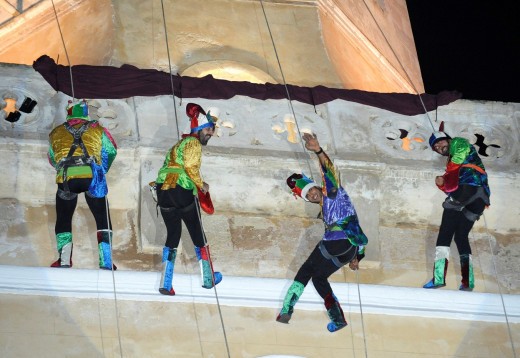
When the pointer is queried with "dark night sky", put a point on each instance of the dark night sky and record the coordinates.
(468, 46)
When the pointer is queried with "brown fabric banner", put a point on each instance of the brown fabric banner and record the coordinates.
(128, 81)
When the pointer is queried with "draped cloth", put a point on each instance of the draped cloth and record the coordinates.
(128, 81)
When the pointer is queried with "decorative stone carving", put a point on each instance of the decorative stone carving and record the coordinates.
(11, 100)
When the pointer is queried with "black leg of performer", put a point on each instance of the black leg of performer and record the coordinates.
(66, 203)
(317, 268)
(183, 203)
(178, 205)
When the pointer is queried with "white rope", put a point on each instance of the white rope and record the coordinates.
(400, 64)
(350, 316)
(106, 200)
(170, 66)
(65, 49)
(110, 235)
(498, 285)
(197, 206)
(426, 112)
(361, 311)
(308, 162)
(285, 86)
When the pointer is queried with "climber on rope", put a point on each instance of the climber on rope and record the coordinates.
(465, 183)
(178, 187)
(82, 151)
(343, 241)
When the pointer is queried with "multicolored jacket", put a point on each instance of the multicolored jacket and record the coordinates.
(339, 214)
(98, 142)
(182, 166)
(464, 167)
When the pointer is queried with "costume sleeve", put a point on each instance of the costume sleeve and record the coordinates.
(330, 179)
(108, 150)
(459, 151)
(50, 156)
(192, 159)
(361, 253)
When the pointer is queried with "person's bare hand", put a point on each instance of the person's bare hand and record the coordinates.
(354, 264)
(439, 180)
(205, 188)
(311, 142)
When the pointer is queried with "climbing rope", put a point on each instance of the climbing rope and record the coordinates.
(110, 236)
(65, 49)
(400, 64)
(303, 146)
(106, 199)
(429, 120)
(170, 67)
(285, 84)
(361, 312)
(498, 285)
(197, 204)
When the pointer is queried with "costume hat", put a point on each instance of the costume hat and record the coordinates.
(198, 119)
(78, 109)
(300, 185)
(437, 136)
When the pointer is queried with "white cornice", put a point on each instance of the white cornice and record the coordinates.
(258, 292)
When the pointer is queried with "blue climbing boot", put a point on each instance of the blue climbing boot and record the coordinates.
(210, 278)
(168, 264)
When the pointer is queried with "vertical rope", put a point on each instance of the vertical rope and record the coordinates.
(170, 67)
(106, 200)
(361, 311)
(110, 235)
(285, 86)
(426, 112)
(499, 289)
(400, 64)
(197, 206)
(65, 48)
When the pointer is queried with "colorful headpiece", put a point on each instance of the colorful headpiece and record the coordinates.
(437, 136)
(300, 185)
(78, 109)
(198, 118)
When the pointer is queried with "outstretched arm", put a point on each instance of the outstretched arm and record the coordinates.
(329, 177)
(311, 143)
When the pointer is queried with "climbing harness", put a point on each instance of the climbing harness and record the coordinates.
(346, 256)
(71, 160)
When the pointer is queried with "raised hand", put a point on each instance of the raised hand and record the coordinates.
(311, 142)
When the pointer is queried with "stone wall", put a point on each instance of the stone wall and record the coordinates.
(259, 229)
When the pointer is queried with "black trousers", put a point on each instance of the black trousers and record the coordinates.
(455, 225)
(179, 204)
(318, 268)
(65, 208)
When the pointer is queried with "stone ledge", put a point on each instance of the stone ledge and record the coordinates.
(258, 292)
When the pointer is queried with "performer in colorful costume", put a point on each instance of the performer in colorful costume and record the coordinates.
(466, 184)
(82, 151)
(177, 184)
(343, 241)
